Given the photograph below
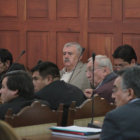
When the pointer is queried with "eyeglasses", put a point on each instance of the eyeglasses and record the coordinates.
(116, 89)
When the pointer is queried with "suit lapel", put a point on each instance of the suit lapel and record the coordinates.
(77, 70)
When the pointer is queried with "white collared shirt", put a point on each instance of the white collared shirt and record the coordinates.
(66, 76)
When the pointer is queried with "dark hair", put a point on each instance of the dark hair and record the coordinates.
(125, 52)
(5, 55)
(21, 81)
(17, 66)
(36, 68)
(131, 79)
(47, 68)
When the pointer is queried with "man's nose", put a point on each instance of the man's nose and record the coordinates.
(113, 95)
(66, 55)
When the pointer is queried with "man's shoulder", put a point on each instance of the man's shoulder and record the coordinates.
(70, 88)
(122, 110)
(56, 86)
(81, 64)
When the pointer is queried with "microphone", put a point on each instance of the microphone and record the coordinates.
(83, 49)
(17, 59)
(91, 124)
(93, 58)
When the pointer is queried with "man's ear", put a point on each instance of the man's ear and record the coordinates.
(133, 62)
(15, 93)
(106, 71)
(7, 64)
(48, 79)
(131, 94)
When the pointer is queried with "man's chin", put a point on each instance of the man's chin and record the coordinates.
(67, 64)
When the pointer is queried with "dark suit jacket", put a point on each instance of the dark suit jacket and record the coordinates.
(60, 92)
(16, 105)
(105, 89)
(123, 123)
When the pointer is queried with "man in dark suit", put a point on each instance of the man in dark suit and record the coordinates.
(48, 87)
(6, 60)
(123, 122)
(101, 77)
(16, 92)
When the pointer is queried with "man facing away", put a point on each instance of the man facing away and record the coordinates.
(123, 122)
(101, 77)
(74, 71)
(16, 92)
(124, 56)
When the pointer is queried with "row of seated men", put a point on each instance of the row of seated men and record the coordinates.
(49, 87)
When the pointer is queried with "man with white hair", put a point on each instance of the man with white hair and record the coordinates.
(74, 71)
(101, 77)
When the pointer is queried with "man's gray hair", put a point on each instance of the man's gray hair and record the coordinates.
(131, 79)
(77, 46)
(104, 61)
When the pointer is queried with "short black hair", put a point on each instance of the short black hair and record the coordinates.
(21, 81)
(47, 68)
(5, 55)
(36, 67)
(125, 52)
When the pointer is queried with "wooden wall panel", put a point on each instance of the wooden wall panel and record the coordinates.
(37, 8)
(100, 8)
(100, 44)
(10, 41)
(37, 44)
(131, 9)
(134, 40)
(67, 8)
(8, 8)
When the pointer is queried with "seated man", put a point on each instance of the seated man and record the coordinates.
(16, 92)
(6, 60)
(48, 87)
(74, 71)
(101, 77)
(123, 122)
(124, 56)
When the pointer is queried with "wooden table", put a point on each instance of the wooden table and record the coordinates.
(51, 137)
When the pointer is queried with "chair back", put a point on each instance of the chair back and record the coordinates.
(35, 114)
(100, 107)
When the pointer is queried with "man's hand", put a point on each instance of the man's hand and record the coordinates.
(88, 93)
